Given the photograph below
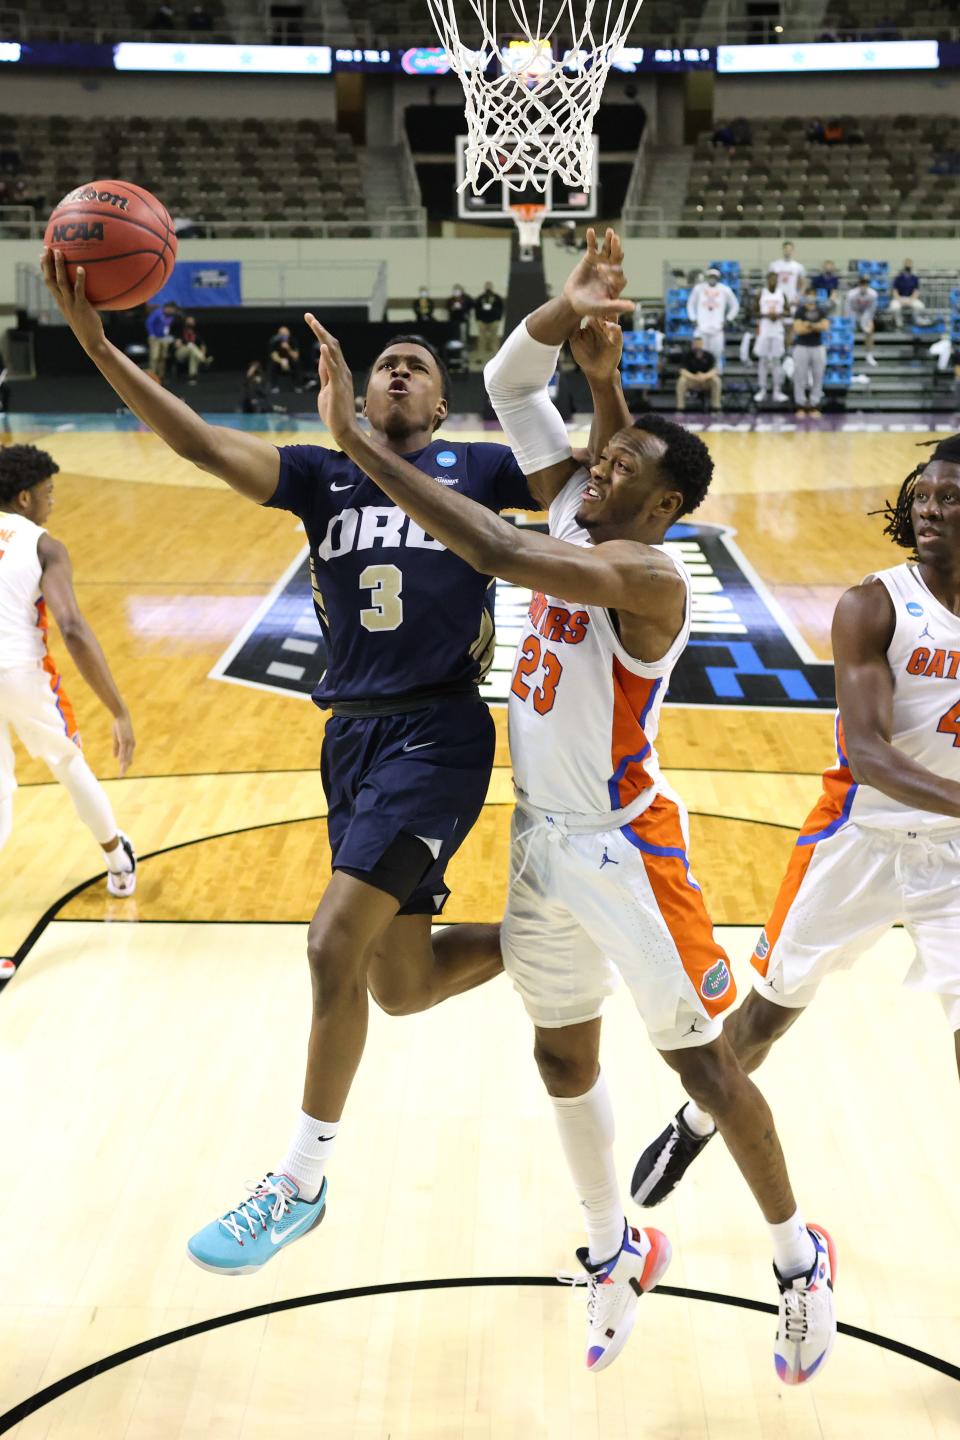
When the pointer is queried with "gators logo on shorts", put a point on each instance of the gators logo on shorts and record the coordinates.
(716, 982)
(763, 946)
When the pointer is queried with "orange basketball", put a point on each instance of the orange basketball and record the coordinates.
(121, 235)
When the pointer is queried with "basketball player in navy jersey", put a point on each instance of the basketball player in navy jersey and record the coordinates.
(408, 753)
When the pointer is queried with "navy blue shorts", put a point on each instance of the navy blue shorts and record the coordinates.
(424, 773)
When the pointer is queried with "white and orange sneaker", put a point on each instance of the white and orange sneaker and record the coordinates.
(807, 1325)
(614, 1288)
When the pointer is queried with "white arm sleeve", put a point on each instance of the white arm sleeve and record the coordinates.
(516, 379)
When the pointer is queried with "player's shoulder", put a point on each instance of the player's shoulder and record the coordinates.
(867, 610)
(316, 461)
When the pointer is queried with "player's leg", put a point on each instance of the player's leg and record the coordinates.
(563, 978)
(290, 1200)
(930, 876)
(649, 916)
(837, 897)
(8, 783)
(416, 965)
(45, 721)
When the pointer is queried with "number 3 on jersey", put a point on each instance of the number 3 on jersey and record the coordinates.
(385, 583)
(529, 659)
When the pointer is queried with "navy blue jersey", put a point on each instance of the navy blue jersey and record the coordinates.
(401, 615)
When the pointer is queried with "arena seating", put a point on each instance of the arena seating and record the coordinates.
(231, 172)
(888, 178)
(639, 368)
(885, 20)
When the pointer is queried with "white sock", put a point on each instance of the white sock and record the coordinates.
(90, 802)
(308, 1152)
(698, 1120)
(793, 1249)
(586, 1134)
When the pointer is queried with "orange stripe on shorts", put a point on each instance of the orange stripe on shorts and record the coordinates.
(658, 835)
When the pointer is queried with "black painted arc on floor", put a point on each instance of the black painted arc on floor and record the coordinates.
(80, 1377)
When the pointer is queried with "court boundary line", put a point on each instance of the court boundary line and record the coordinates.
(76, 1378)
(53, 909)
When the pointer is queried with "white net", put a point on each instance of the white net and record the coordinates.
(540, 92)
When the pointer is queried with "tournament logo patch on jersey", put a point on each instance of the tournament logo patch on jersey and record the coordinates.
(743, 651)
(913, 608)
(716, 982)
(446, 458)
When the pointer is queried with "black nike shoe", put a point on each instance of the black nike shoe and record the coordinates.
(664, 1162)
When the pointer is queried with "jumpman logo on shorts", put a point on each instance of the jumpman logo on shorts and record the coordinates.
(606, 859)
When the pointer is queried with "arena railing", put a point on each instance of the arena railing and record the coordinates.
(718, 30)
(646, 221)
(328, 284)
(401, 222)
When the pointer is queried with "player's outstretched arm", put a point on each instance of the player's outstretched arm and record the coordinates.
(862, 629)
(518, 375)
(83, 645)
(247, 463)
(619, 574)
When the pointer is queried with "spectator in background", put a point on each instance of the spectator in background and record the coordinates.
(710, 305)
(815, 132)
(459, 307)
(254, 398)
(906, 291)
(488, 312)
(423, 306)
(190, 350)
(283, 358)
(159, 337)
(698, 371)
(742, 131)
(770, 343)
(833, 133)
(163, 18)
(10, 160)
(789, 273)
(723, 135)
(861, 307)
(198, 19)
(810, 324)
(828, 280)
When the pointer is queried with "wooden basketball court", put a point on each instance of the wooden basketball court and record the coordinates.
(151, 1050)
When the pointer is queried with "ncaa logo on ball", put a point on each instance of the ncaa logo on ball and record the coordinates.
(763, 946)
(716, 982)
(913, 608)
(446, 458)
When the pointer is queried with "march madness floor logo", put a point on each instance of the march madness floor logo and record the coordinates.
(743, 650)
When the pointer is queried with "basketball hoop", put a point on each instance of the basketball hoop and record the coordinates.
(543, 103)
(528, 219)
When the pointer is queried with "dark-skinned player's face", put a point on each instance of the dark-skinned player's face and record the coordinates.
(628, 496)
(405, 392)
(935, 514)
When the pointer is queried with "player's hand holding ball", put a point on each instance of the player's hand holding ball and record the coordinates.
(71, 299)
(335, 401)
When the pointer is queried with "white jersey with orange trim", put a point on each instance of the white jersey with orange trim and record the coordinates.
(22, 612)
(583, 713)
(924, 659)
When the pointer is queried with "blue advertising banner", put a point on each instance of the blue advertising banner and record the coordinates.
(198, 283)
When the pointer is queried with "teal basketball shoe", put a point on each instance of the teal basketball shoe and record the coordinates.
(243, 1240)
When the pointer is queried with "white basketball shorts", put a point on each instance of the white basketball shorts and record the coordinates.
(583, 907)
(33, 703)
(768, 347)
(843, 892)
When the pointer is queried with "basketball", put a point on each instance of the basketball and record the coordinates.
(121, 235)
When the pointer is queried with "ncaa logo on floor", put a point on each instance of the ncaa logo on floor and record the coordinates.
(743, 651)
